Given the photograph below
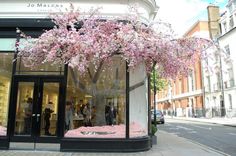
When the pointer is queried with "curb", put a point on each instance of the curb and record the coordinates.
(229, 125)
(209, 148)
(202, 146)
(202, 121)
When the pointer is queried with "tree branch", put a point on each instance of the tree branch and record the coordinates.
(96, 75)
(89, 73)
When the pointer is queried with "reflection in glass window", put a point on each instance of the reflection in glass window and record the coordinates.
(5, 80)
(95, 102)
(24, 108)
(138, 105)
(42, 69)
(49, 109)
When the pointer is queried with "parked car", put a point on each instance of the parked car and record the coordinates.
(159, 116)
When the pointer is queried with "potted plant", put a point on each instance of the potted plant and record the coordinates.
(153, 132)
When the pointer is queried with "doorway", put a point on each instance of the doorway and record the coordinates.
(36, 111)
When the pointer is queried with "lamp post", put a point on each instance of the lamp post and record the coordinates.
(154, 92)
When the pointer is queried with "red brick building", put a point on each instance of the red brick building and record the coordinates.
(184, 95)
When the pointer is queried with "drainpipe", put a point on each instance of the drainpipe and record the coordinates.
(203, 91)
(222, 97)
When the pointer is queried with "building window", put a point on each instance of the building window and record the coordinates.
(231, 77)
(174, 88)
(5, 82)
(208, 84)
(225, 27)
(42, 69)
(230, 7)
(180, 86)
(218, 78)
(96, 101)
(208, 102)
(230, 101)
(138, 105)
(227, 49)
(214, 100)
(191, 77)
(231, 22)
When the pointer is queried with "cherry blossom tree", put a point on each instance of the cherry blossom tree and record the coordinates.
(79, 41)
(85, 43)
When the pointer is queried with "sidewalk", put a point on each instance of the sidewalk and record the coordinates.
(222, 121)
(167, 145)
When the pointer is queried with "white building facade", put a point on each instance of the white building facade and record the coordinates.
(219, 78)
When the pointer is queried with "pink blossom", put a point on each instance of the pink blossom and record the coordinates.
(98, 40)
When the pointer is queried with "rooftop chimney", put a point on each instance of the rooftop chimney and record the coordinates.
(213, 21)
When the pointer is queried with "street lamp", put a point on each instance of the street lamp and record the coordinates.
(154, 92)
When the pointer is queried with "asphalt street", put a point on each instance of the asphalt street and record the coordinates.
(219, 137)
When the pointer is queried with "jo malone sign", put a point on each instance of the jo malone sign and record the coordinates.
(41, 8)
(11, 8)
(44, 5)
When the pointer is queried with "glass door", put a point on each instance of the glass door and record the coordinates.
(49, 109)
(36, 110)
(25, 103)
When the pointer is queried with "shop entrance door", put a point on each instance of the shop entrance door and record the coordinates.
(36, 114)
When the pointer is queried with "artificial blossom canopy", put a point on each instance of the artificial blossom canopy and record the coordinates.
(80, 41)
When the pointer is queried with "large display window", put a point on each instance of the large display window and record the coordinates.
(96, 101)
(138, 102)
(5, 82)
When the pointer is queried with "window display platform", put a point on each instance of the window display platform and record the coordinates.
(105, 145)
(114, 131)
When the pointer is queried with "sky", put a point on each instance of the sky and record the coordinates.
(182, 14)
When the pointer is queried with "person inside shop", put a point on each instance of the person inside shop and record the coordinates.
(81, 107)
(69, 116)
(112, 115)
(47, 115)
(87, 115)
(107, 110)
(28, 114)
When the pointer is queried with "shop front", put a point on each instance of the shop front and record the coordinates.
(56, 107)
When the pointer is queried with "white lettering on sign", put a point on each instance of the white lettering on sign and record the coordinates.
(44, 5)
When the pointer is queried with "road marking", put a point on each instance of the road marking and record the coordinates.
(207, 128)
(232, 134)
(173, 128)
(188, 129)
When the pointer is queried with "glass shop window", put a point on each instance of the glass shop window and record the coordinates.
(5, 82)
(96, 100)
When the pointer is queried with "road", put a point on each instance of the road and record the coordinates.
(219, 137)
